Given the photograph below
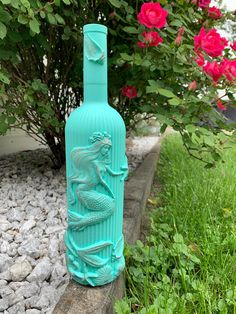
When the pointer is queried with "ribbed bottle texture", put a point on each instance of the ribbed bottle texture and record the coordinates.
(96, 167)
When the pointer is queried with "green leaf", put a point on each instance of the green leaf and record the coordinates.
(37, 85)
(146, 108)
(170, 30)
(191, 128)
(4, 78)
(15, 37)
(138, 59)
(209, 140)
(22, 19)
(5, 54)
(26, 4)
(51, 19)
(163, 128)
(3, 30)
(113, 32)
(115, 3)
(130, 29)
(174, 101)
(151, 89)
(178, 68)
(177, 23)
(126, 57)
(66, 1)
(122, 307)
(178, 238)
(154, 85)
(6, 1)
(128, 9)
(48, 8)
(34, 26)
(59, 19)
(3, 127)
(15, 3)
(165, 92)
(5, 17)
(231, 96)
(11, 120)
(42, 14)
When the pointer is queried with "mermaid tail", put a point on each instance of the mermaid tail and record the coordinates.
(102, 206)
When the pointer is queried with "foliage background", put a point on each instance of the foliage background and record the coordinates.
(41, 70)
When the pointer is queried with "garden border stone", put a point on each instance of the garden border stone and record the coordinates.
(78, 299)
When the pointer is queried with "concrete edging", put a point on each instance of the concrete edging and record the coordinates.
(78, 299)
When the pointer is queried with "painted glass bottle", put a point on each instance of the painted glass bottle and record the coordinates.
(96, 167)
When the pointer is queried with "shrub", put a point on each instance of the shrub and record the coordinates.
(41, 67)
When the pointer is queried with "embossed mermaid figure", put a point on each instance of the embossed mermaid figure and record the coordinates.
(90, 164)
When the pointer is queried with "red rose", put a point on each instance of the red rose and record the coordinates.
(220, 105)
(141, 44)
(192, 85)
(129, 91)
(214, 70)
(214, 13)
(212, 43)
(200, 59)
(152, 15)
(233, 46)
(229, 67)
(151, 39)
(204, 3)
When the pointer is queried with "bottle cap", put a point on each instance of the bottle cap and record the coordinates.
(95, 28)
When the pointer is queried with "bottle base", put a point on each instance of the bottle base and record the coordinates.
(100, 277)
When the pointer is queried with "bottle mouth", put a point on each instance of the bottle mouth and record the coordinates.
(97, 28)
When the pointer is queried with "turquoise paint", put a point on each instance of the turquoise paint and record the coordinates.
(96, 167)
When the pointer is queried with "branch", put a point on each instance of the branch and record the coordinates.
(189, 151)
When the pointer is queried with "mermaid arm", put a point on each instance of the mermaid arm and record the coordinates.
(123, 173)
(103, 182)
(125, 169)
(113, 173)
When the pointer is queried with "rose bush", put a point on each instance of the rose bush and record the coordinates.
(156, 49)
(192, 51)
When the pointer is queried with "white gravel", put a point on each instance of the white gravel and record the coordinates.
(33, 219)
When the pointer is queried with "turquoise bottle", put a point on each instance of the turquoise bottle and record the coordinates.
(96, 167)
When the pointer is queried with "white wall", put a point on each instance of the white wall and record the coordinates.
(15, 141)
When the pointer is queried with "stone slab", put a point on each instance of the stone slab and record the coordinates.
(131, 208)
(131, 229)
(78, 299)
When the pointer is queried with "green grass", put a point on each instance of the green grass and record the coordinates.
(188, 262)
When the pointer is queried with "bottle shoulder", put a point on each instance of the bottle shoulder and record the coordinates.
(94, 110)
(95, 113)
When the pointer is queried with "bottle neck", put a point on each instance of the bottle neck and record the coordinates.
(95, 65)
(95, 94)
